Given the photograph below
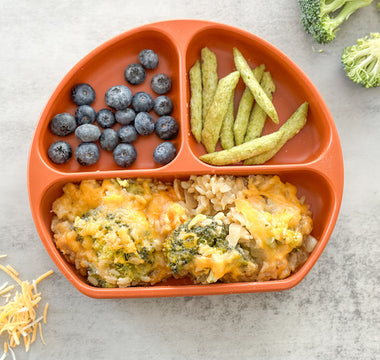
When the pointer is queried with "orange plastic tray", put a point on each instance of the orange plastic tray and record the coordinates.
(312, 160)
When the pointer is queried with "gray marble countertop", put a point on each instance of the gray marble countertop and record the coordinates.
(332, 314)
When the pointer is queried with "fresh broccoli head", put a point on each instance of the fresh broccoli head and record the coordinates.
(322, 18)
(362, 61)
(199, 249)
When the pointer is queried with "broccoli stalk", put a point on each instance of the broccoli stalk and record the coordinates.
(322, 18)
(362, 61)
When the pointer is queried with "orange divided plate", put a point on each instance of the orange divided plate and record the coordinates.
(312, 160)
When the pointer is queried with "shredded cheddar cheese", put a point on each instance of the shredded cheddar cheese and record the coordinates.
(18, 316)
(45, 312)
(11, 269)
(44, 276)
(6, 289)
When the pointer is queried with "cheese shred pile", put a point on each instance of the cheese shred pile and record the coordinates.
(18, 316)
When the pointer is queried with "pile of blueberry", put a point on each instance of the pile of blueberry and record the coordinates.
(130, 111)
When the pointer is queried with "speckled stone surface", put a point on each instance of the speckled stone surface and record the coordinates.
(332, 314)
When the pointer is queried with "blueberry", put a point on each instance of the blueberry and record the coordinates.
(83, 94)
(87, 154)
(127, 134)
(62, 124)
(87, 133)
(118, 97)
(161, 84)
(148, 58)
(144, 123)
(166, 128)
(134, 74)
(108, 139)
(125, 155)
(164, 153)
(85, 114)
(60, 152)
(105, 118)
(125, 116)
(163, 105)
(142, 101)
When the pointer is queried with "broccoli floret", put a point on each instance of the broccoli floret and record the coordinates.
(362, 61)
(183, 243)
(131, 186)
(199, 249)
(322, 18)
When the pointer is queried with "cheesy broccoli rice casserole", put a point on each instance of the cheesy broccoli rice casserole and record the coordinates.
(121, 233)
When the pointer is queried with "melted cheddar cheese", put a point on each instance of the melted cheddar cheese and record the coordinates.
(116, 231)
(277, 221)
(113, 231)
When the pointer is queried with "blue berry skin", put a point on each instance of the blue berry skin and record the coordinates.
(87, 154)
(144, 123)
(164, 153)
(85, 114)
(105, 118)
(142, 101)
(62, 124)
(108, 139)
(134, 74)
(60, 152)
(83, 94)
(127, 134)
(118, 97)
(125, 155)
(148, 58)
(125, 116)
(163, 105)
(87, 133)
(166, 127)
(161, 84)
